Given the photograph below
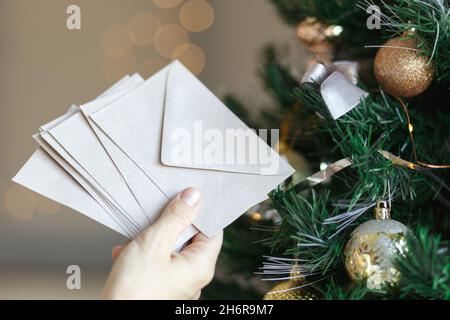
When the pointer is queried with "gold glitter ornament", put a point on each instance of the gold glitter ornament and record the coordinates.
(400, 68)
(373, 245)
(284, 291)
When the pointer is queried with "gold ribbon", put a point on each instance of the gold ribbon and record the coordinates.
(330, 171)
(399, 161)
(323, 175)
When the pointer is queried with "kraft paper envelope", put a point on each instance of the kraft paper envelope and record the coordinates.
(43, 175)
(151, 199)
(66, 187)
(132, 229)
(48, 174)
(77, 138)
(149, 196)
(143, 122)
(49, 178)
(73, 169)
(91, 190)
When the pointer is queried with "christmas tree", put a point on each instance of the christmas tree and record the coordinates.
(371, 118)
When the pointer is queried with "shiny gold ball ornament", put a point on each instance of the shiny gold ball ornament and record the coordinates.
(400, 68)
(373, 245)
(289, 290)
(285, 291)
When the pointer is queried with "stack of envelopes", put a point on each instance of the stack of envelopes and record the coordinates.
(113, 160)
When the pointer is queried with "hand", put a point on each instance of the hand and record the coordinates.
(147, 267)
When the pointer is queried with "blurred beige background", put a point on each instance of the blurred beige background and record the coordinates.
(45, 68)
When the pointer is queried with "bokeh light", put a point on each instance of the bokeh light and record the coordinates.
(151, 66)
(192, 56)
(256, 216)
(45, 205)
(114, 69)
(170, 37)
(196, 15)
(19, 203)
(116, 41)
(143, 27)
(170, 40)
(167, 3)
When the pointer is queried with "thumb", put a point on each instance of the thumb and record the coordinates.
(174, 219)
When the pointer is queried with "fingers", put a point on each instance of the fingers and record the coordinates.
(116, 251)
(203, 246)
(202, 255)
(174, 219)
(197, 296)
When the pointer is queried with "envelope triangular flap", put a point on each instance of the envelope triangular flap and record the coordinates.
(196, 121)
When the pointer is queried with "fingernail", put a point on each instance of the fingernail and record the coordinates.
(190, 196)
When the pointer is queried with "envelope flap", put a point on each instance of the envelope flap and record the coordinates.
(200, 132)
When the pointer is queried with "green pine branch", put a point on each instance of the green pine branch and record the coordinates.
(378, 123)
(420, 197)
(303, 225)
(425, 269)
(336, 289)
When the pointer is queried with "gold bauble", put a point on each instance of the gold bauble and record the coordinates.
(317, 35)
(284, 291)
(400, 68)
(292, 289)
(313, 32)
(373, 245)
